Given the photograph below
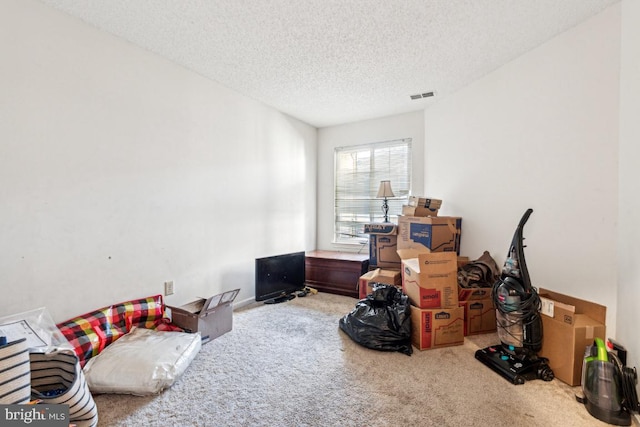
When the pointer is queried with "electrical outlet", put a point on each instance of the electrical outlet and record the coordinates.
(168, 288)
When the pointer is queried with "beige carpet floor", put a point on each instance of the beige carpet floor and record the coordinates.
(289, 364)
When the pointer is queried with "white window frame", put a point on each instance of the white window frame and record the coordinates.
(362, 171)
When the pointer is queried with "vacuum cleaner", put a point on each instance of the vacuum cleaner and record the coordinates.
(608, 385)
(518, 321)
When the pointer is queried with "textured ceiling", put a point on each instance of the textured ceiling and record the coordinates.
(328, 62)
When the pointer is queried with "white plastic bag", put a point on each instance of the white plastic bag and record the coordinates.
(37, 327)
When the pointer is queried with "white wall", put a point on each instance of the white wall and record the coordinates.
(409, 125)
(628, 316)
(115, 178)
(540, 132)
(120, 170)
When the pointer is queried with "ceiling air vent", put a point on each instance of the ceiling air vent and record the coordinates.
(422, 95)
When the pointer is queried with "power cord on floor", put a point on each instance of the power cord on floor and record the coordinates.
(306, 291)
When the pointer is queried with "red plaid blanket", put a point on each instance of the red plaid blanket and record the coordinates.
(90, 333)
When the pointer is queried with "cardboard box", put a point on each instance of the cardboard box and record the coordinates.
(424, 202)
(479, 316)
(383, 245)
(431, 280)
(211, 317)
(462, 261)
(569, 325)
(466, 294)
(381, 228)
(418, 211)
(389, 277)
(435, 328)
(418, 234)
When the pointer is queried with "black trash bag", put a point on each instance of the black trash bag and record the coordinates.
(381, 321)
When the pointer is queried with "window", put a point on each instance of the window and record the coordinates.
(358, 172)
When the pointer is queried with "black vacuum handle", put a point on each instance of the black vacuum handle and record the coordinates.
(524, 219)
(518, 245)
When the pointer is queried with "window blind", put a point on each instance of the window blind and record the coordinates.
(358, 172)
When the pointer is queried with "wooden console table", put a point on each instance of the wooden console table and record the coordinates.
(335, 272)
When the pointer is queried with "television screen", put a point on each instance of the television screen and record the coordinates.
(279, 276)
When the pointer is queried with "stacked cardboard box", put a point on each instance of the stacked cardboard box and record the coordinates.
(421, 206)
(388, 277)
(428, 246)
(419, 234)
(479, 310)
(383, 245)
(430, 282)
(420, 229)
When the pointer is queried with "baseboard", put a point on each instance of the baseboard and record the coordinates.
(243, 303)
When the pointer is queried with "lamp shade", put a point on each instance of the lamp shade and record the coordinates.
(385, 189)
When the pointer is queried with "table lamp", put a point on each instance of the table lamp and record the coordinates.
(384, 192)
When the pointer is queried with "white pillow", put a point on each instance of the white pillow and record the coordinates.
(142, 362)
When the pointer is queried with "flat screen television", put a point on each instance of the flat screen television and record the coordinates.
(278, 277)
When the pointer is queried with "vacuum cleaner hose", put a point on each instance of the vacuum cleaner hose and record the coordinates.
(628, 381)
